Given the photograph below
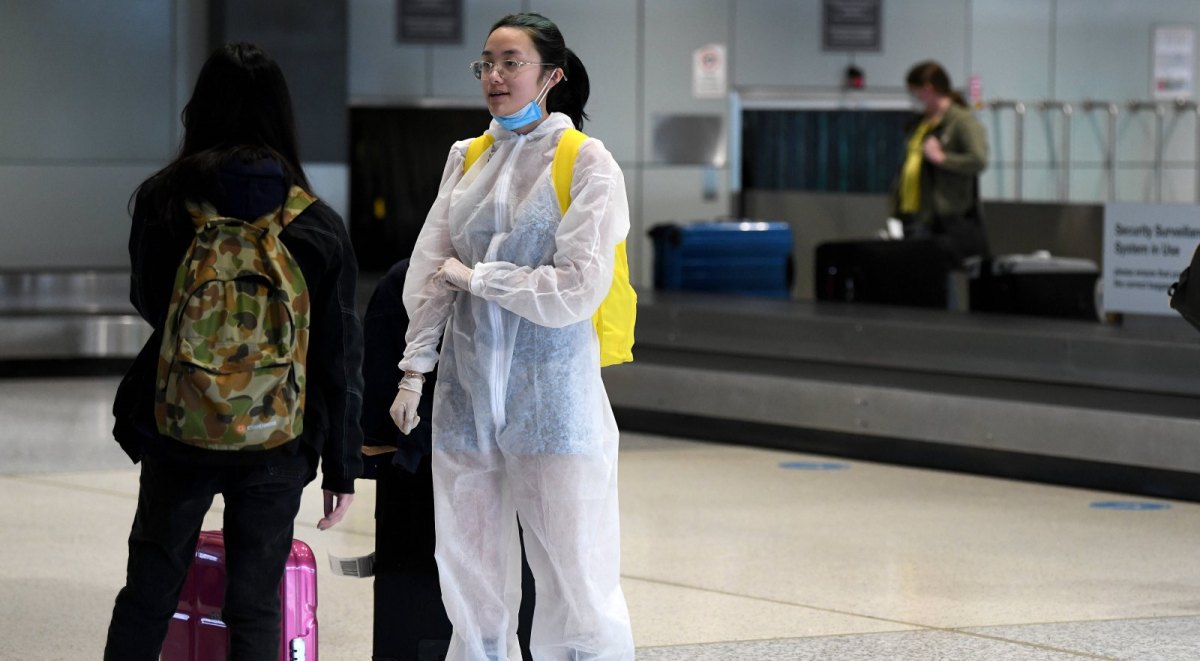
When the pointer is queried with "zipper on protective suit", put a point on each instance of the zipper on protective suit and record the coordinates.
(502, 211)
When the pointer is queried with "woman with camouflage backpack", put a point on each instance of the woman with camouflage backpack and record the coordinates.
(252, 375)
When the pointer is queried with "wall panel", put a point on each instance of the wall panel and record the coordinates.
(612, 68)
(86, 80)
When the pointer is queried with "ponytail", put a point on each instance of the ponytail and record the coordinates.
(570, 95)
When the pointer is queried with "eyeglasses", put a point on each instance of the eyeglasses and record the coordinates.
(507, 68)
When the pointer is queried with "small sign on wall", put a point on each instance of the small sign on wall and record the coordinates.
(852, 25)
(429, 21)
(1145, 248)
(1174, 61)
(708, 72)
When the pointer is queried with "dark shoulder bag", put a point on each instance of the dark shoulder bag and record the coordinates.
(1185, 298)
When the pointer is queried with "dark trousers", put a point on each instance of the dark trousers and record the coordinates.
(410, 620)
(261, 503)
(959, 237)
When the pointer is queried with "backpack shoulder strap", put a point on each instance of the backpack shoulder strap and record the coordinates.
(297, 201)
(561, 170)
(563, 167)
(476, 149)
(201, 213)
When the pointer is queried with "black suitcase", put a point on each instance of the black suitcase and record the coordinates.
(410, 620)
(1036, 285)
(911, 272)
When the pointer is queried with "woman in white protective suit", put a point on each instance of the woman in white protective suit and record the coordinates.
(521, 423)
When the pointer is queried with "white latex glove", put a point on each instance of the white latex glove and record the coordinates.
(404, 407)
(454, 273)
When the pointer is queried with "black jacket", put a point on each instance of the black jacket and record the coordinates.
(384, 326)
(318, 241)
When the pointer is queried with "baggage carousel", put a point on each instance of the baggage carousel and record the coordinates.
(1110, 406)
(64, 315)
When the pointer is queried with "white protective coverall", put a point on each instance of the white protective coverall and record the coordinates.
(521, 421)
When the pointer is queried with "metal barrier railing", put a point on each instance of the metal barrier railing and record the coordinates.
(1018, 109)
(1159, 110)
(1112, 110)
(1064, 154)
(1110, 143)
(1181, 106)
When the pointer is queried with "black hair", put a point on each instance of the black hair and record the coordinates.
(240, 110)
(570, 95)
(931, 73)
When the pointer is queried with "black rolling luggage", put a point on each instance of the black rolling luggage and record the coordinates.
(411, 624)
(410, 620)
(1035, 285)
(911, 273)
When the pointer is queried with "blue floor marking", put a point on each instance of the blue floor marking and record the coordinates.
(1128, 505)
(813, 466)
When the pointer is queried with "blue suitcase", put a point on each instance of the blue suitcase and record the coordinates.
(736, 257)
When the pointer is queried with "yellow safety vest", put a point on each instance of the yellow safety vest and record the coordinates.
(614, 319)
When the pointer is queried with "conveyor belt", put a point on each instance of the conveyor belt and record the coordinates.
(48, 315)
(1099, 395)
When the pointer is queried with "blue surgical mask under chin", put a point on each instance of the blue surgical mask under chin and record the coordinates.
(527, 115)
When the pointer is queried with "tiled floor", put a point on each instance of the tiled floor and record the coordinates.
(729, 553)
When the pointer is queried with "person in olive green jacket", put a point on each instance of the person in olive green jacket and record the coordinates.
(936, 194)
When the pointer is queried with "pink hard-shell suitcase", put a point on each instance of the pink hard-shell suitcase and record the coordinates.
(196, 632)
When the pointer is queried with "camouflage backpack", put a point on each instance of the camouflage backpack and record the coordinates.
(231, 366)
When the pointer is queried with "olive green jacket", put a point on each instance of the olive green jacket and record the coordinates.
(950, 189)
